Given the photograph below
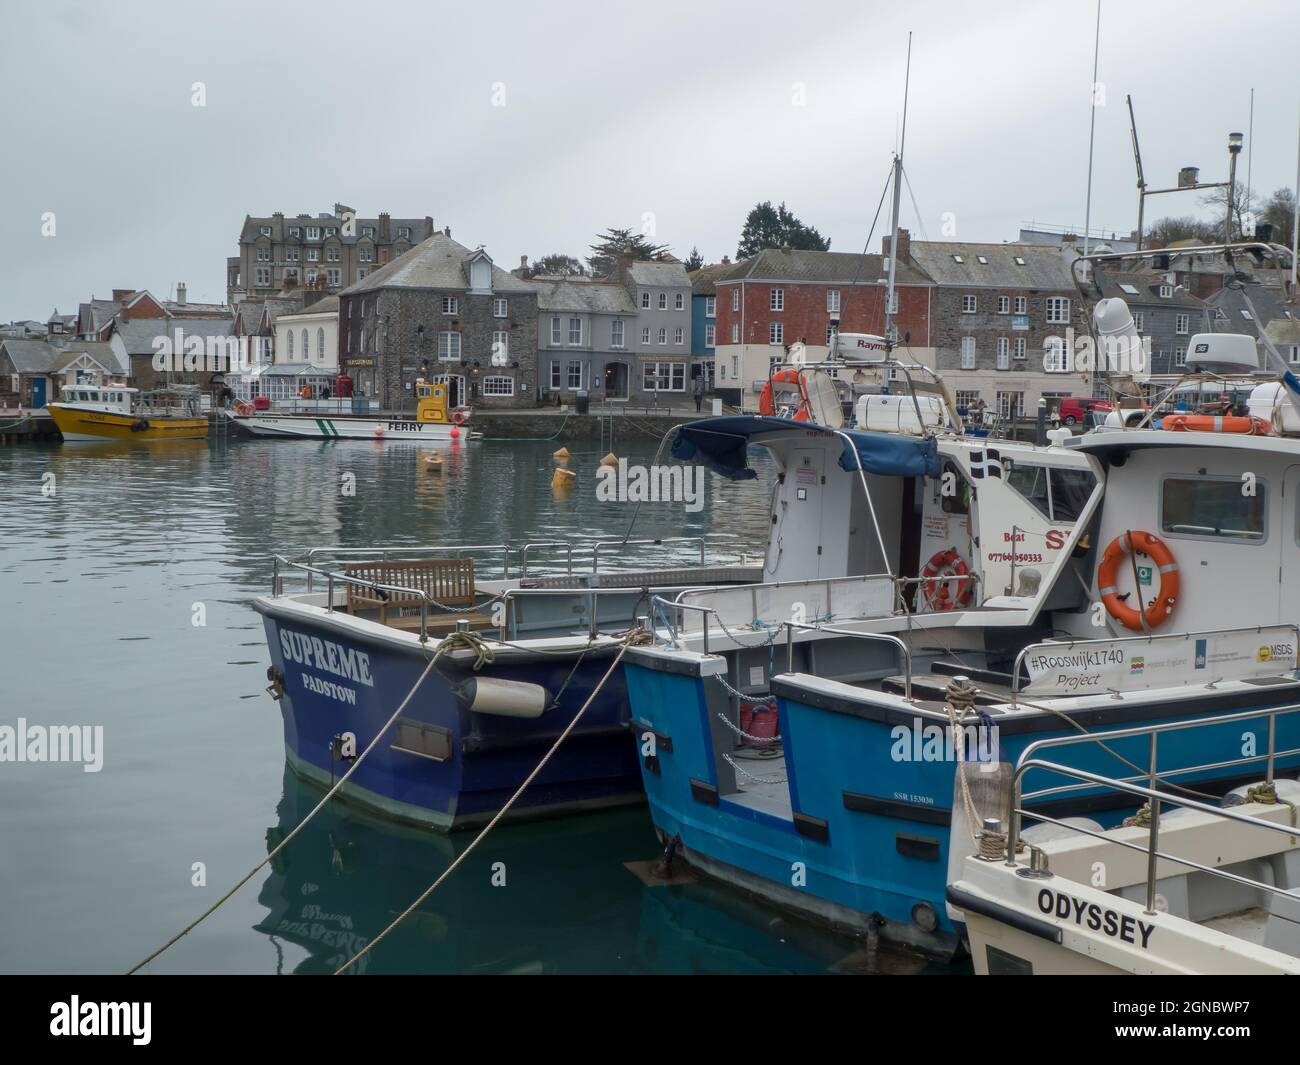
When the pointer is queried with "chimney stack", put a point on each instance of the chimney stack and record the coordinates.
(180, 293)
(726, 260)
(446, 232)
(904, 245)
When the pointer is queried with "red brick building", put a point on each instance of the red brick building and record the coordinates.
(780, 297)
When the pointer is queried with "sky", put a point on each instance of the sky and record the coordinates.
(530, 127)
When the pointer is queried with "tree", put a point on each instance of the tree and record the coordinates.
(616, 244)
(1243, 201)
(1279, 212)
(775, 227)
(557, 264)
(693, 261)
(1167, 230)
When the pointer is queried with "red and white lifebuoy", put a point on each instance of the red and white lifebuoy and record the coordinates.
(458, 417)
(939, 573)
(243, 409)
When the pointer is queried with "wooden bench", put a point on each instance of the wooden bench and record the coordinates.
(449, 581)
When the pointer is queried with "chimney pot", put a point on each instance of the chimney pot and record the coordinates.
(180, 293)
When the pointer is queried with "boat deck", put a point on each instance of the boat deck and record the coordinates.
(762, 784)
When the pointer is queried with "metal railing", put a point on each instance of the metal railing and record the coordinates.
(1169, 637)
(515, 559)
(331, 578)
(905, 652)
(1154, 796)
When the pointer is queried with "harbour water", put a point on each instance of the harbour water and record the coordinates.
(126, 573)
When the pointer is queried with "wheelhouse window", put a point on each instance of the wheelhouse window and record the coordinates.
(1213, 507)
(1058, 493)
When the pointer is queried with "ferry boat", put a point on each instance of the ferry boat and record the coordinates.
(1183, 886)
(1136, 574)
(116, 412)
(434, 422)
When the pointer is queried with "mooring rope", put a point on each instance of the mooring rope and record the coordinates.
(446, 644)
(639, 636)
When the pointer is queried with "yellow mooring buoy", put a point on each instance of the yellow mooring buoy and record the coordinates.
(433, 463)
(562, 455)
(609, 460)
(562, 480)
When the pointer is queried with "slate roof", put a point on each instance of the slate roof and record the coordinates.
(1278, 318)
(138, 333)
(659, 275)
(1044, 267)
(32, 356)
(704, 280)
(436, 263)
(821, 267)
(585, 297)
(1148, 290)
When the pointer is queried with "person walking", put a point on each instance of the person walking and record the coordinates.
(699, 392)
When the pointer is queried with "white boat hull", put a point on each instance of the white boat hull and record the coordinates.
(300, 426)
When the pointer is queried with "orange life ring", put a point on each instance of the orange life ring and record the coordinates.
(1162, 606)
(458, 417)
(766, 404)
(936, 592)
(243, 409)
(1214, 423)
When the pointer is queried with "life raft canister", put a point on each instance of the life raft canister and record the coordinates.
(937, 595)
(766, 404)
(1214, 423)
(1163, 605)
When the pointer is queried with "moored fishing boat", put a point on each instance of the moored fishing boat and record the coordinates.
(1181, 886)
(1046, 561)
(117, 412)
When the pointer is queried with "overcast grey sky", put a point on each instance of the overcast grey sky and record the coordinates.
(682, 110)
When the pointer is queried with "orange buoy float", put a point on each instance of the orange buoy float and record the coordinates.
(1214, 423)
(766, 403)
(937, 595)
(1162, 606)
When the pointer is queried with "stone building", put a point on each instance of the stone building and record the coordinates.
(583, 334)
(441, 311)
(336, 247)
(993, 308)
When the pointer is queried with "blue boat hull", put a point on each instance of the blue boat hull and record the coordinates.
(473, 762)
(866, 837)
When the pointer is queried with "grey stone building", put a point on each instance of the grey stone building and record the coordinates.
(994, 307)
(661, 339)
(1163, 311)
(441, 311)
(336, 246)
(583, 331)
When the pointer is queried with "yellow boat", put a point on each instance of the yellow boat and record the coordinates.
(113, 412)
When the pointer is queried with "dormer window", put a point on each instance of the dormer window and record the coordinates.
(331, 231)
(368, 231)
(295, 231)
(404, 232)
(313, 232)
(265, 231)
(1166, 292)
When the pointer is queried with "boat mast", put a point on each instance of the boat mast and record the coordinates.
(893, 224)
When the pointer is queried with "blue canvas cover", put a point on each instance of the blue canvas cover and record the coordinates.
(720, 444)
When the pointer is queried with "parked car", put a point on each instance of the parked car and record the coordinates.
(1074, 409)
